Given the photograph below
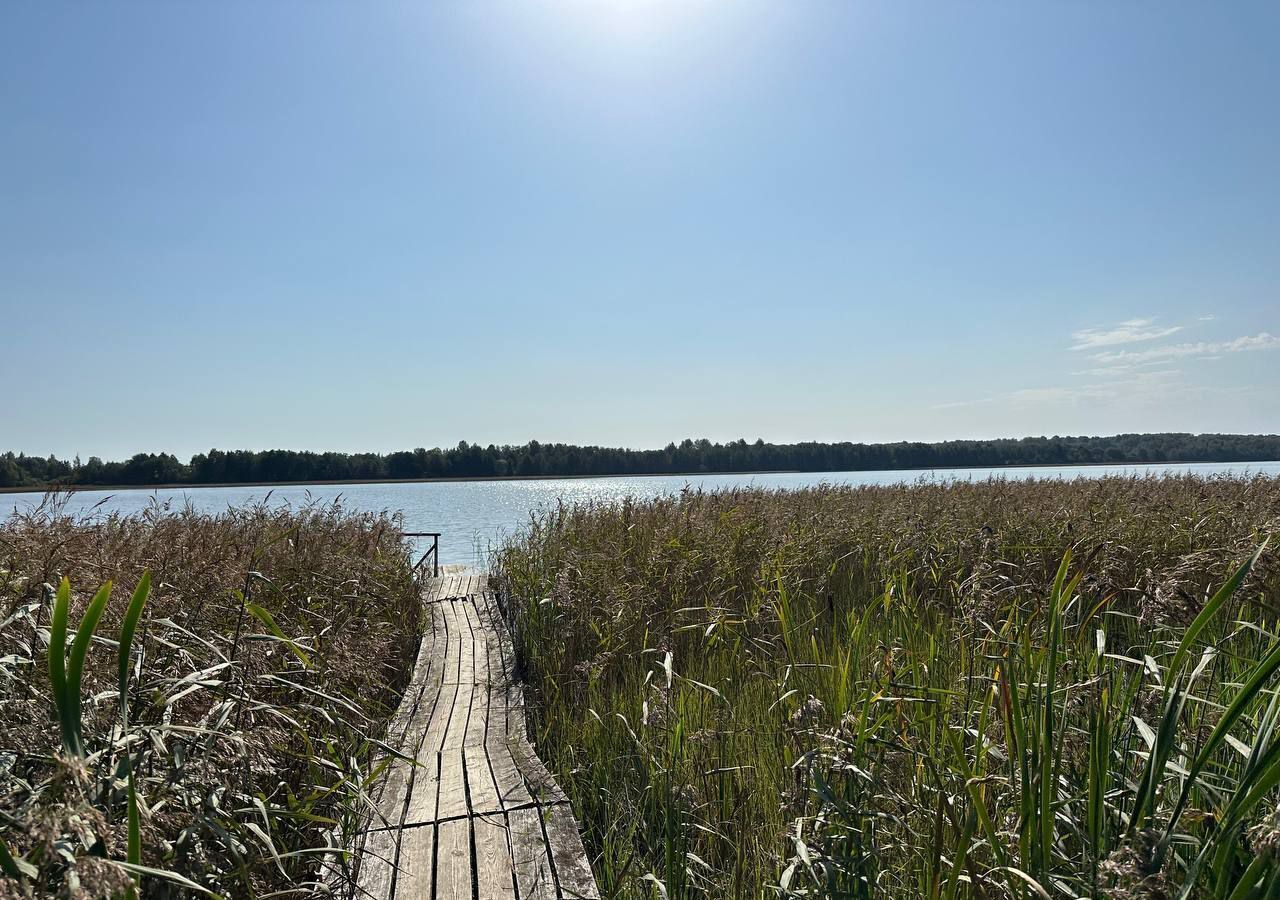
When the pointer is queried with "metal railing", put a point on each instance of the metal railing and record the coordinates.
(433, 552)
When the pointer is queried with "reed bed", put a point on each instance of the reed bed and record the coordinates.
(189, 703)
(999, 689)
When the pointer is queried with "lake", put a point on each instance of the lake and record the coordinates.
(471, 515)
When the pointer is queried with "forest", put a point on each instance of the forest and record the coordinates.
(536, 459)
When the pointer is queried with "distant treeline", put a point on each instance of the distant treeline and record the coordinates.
(533, 459)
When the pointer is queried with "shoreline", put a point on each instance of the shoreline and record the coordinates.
(187, 485)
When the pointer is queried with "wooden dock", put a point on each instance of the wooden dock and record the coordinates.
(478, 816)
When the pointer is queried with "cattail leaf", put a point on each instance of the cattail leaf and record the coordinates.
(658, 884)
(127, 631)
(265, 618)
(1265, 777)
(1261, 673)
(1216, 602)
(58, 658)
(75, 662)
(1031, 882)
(15, 868)
(133, 852)
(1157, 758)
(164, 874)
(1258, 869)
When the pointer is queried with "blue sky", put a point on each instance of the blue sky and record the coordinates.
(379, 226)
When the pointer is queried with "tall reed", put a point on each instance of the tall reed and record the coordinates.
(213, 732)
(962, 690)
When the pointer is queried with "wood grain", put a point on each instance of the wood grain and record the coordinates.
(478, 815)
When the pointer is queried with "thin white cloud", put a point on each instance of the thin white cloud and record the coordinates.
(1053, 395)
(1130, 368)
(1105, 371)
(1142, 385)
(1208, 318)
(1130, 331)
(1130, 374)
(1204, 349)
(956, 404)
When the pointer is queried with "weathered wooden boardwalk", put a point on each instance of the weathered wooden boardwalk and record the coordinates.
(478, 816)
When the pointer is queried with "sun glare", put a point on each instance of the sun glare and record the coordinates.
(635, 21)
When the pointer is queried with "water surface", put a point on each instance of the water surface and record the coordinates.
(472, 515)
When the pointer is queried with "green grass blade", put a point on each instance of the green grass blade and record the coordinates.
(1263, 780)
(1099, 779)
(127, 631)
(166, 875)
(265, 618)
(75, 663)
(1144, 800)
(1252, 875)
(9, 865)
(134, 853)
(1047, 737)
(1262, 742)
(1216, 602)
(978, 801)
(58, 659)
(1261, 674)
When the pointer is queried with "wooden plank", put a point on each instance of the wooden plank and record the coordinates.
(453, 862)
(425, 666)
(430, 589)
(541, 784)
(573, 872)
(529, 854)
(391, 803)
(393, 791)
(452, 798)
(478, 723)
(467, 646)
(484, 796)
(435, 589)
(516, 728)
(438, 723)
(495, 660)
(507, 781)
(424, 802)
(514, 699)
(421, 803)
(438, 717)
(494, 865)
(377, 863)
(441, 588)
(502, 640)
(417, 862)
(459, 720)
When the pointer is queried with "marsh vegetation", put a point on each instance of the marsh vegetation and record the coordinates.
(259, 651)
(1000, 689)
